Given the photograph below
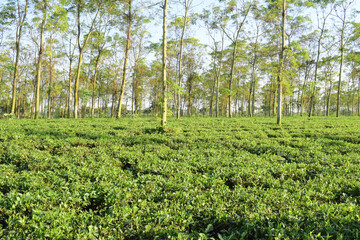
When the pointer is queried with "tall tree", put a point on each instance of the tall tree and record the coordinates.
(240, 11)
(130, 16)
(281, 63)
(43, 6)
(344, 5)
(70, 54)
(164, 85)
(186, 4)
(321, 28)
(80, 5)
(212, 20)
(57, 22)
(98, 43)
(20, 20)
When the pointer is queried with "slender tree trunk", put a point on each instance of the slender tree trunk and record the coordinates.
(302, 91)
(24, 101)
(134, 91)
(281, 64)
(252, 87)
(50, 79)
(249, 99)
(180, 59)
(211, 103)
(38, 67)
(353, 97)
(13, 102)
(122, 89)
(133, 98)
(341, 68)
(218, 76)
(69, 93)
(77, 79)
(94, 84)
(18, 104)
(328, 99)
(253, 75)
(231, 76)
(164, 68)
(253, 97)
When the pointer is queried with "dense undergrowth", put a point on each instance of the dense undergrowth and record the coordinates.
(201, 178)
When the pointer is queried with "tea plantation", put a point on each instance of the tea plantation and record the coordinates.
(200, 178)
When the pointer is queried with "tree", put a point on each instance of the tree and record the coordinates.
(184, 22)
(19, 13)
(130, 17)
(342, 17)
(239, 14)
(281, 63)
(321, 28)
(164, 85)
(212, 20)
(57, 22)
(98, 43)
(43, 6)
(80, 7)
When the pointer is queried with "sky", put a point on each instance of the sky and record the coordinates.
(200, 32)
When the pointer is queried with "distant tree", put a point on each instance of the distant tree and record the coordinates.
(183, 22)
(321, 28)
(212, 21)
(164, 57)
(43, 6)
(238, 11)
(130, 15)
(80, 8)
(342, 16)
(16, 12)
(281, 63)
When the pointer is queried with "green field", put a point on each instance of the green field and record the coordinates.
(200, 178)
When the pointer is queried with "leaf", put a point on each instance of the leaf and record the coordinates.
(209, 228)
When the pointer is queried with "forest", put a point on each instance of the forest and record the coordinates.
(63, 58)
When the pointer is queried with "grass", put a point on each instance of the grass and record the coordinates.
(199, 178)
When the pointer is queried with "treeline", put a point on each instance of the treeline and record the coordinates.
(79, 58)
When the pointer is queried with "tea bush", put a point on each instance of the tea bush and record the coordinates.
(199, 178)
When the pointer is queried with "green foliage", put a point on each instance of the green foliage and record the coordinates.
(199, 178)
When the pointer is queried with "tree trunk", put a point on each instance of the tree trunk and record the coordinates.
(218, 76)
(51, 78)
(341, 68)
(94, 84)
(77, 79)
(17, 46)
(164, 57)
(38, 67)
(122, 89)
(69, 93)
(81, 49)
(180, 61)
(281, 63)
(231, 77)
(249, 99)
(317, 63)
(302, 91)
(211, 103)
